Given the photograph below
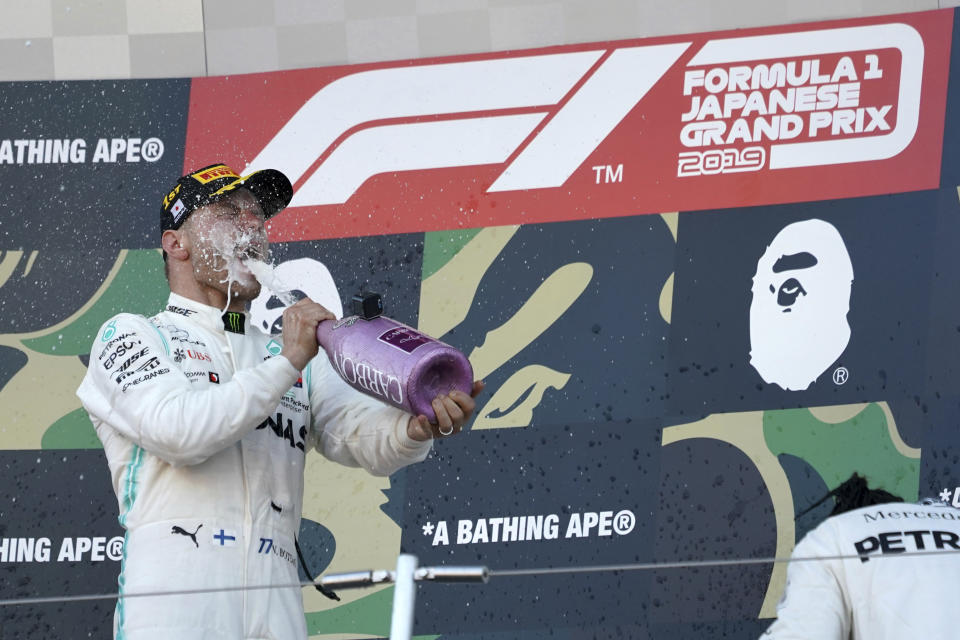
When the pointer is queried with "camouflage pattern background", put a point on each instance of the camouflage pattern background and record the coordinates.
(633, 412)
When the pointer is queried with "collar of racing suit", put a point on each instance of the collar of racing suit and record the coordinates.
(206, 316)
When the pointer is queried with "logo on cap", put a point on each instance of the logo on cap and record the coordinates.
(213, 173)
(177, 210)
(270, 187)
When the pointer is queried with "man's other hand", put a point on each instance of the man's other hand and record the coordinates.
(453, 411)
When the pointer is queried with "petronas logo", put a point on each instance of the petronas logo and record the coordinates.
(274, 348)
(109, 332)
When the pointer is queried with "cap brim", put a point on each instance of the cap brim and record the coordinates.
(271, 188)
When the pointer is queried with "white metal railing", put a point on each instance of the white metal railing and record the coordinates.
(404, 578)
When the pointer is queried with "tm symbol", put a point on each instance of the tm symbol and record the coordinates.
(607, 173)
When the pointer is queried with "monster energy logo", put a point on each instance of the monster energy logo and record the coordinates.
(233, 321)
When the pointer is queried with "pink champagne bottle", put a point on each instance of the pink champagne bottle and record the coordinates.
(393, 362)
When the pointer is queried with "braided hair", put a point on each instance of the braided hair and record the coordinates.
(853, 494)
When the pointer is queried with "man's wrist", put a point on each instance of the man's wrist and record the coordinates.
(287, 371)
(415, 431)
(295, 357)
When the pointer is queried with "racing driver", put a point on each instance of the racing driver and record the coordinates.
(877, 569)
(205, 424)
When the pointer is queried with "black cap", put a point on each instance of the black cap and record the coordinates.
(199, 188)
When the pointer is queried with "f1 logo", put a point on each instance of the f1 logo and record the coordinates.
(519, 97)
(543, 115)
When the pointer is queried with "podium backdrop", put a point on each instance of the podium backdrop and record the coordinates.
(706, 278)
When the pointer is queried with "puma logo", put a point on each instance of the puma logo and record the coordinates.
(184, 532)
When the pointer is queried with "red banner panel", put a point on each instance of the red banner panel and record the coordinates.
(760, 116)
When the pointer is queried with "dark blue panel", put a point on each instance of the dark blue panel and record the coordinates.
(87, 200)
(713, 505)
(950, 173)
(49, 497)
(888, 240)
(564, 472)
(48, 285)
(390, 265)
(611, 340)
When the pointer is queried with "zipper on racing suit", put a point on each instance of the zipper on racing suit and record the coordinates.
(247, 515)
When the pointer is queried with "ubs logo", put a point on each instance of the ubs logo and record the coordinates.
(801, 297)
(179, 355)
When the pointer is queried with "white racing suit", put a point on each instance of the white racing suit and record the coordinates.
(875, 595)
(205, 429)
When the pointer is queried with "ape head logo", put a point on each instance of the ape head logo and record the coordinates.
(801, 296)
(302, 278)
